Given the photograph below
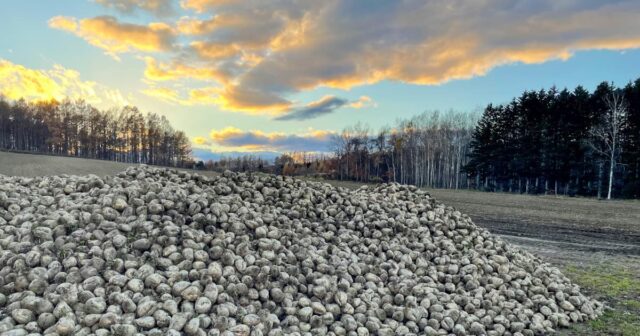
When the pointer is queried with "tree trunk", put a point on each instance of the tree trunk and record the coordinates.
(519, 186)
(611, 177)
(600, 168)
(546, 185)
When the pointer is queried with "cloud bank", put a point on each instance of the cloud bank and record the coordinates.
(260, 53)
(239, 140)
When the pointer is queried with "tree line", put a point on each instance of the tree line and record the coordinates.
(75, 128)
(548, 141)
(243, 163)
(561, 142)
(289, 163)
(551, 141)
(428, 150)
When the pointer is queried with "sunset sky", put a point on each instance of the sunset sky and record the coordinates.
(284, 75)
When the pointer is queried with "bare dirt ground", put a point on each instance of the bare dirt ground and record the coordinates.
(596, 243)
(549, 224)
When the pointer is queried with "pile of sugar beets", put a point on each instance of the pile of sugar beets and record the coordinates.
(164, 252)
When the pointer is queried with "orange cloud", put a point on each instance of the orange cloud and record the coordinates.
(17, 81)
(163, 72)
(262, 52)
(363, 101)
(239, 140)
(163, 93)
(251, 101)
(301, 46)
(295, 34)
(201, 96)
(192, 26)
(258, 30)
(227, 132)
(213, 51)
(251, 28)
(105, 32)
(63, 23)
(204, 95)
(201, 141)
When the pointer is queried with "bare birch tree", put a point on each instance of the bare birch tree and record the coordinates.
(606, 134)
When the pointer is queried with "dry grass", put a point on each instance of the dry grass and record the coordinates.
(619, 287)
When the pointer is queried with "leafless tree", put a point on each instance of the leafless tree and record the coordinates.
(427, 150)
(75, 128)
(605, 136)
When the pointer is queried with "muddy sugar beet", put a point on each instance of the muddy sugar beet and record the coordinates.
(161, 252)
